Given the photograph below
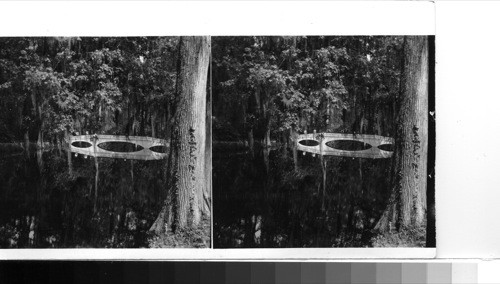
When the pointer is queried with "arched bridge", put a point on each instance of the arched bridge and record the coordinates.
(136, 147)
(358, 145)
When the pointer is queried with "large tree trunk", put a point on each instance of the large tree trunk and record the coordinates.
(206, 205)
(407, 204)
(186, 176)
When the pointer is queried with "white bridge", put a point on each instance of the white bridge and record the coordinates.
(321, 144)
(91, 145)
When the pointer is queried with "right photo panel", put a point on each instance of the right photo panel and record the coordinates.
(323, 141)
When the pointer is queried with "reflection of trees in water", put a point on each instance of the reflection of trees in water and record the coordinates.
(49, 207)
(286, 208)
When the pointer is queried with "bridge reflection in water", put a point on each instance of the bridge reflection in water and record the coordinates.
(142, 148)
(372, 146)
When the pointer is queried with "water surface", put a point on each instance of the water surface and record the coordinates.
(266, 201)
(47, 202)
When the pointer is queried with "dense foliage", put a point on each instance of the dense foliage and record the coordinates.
(100, 85)
(304, 83)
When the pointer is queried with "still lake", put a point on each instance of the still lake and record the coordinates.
(263, 200)
(47, 202)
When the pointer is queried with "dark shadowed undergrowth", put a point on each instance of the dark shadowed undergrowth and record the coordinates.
(414, 237)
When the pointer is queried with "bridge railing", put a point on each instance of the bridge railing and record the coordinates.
(322, 148)
(95, 151)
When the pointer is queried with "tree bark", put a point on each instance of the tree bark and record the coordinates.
(285, 137)
(323, 184)
(251, 140)
(186, 176)
(68, 152)
(96, 180)
(153, 125)
(267, 137)
(294, 135)
(27, 142)
(39, 150)
(407, 204)
(206, 205)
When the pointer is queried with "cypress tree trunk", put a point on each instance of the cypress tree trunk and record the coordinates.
(284, 137)
(294, 135)
(96, 180)
(27, 142)
(59, 142)
(207, 193)
(187, 154)
(267, 137)
(153, 125)
(251, 140)
(323, 185)
(68, 153)
(39, 149)
(407, 204)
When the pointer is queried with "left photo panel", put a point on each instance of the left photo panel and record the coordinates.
(105, 142)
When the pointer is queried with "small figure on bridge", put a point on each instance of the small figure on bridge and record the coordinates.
(94, 138)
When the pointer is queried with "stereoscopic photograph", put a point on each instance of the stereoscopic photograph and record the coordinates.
(104, 142)
(323, 141)
(235, 141)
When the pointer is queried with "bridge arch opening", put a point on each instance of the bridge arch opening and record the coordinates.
(348, 145)
(122, 147)
(81, 144)
(386, 147)
(159, 149)
(309, 142)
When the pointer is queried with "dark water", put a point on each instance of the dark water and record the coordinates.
(43, 204)
(264, 201)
